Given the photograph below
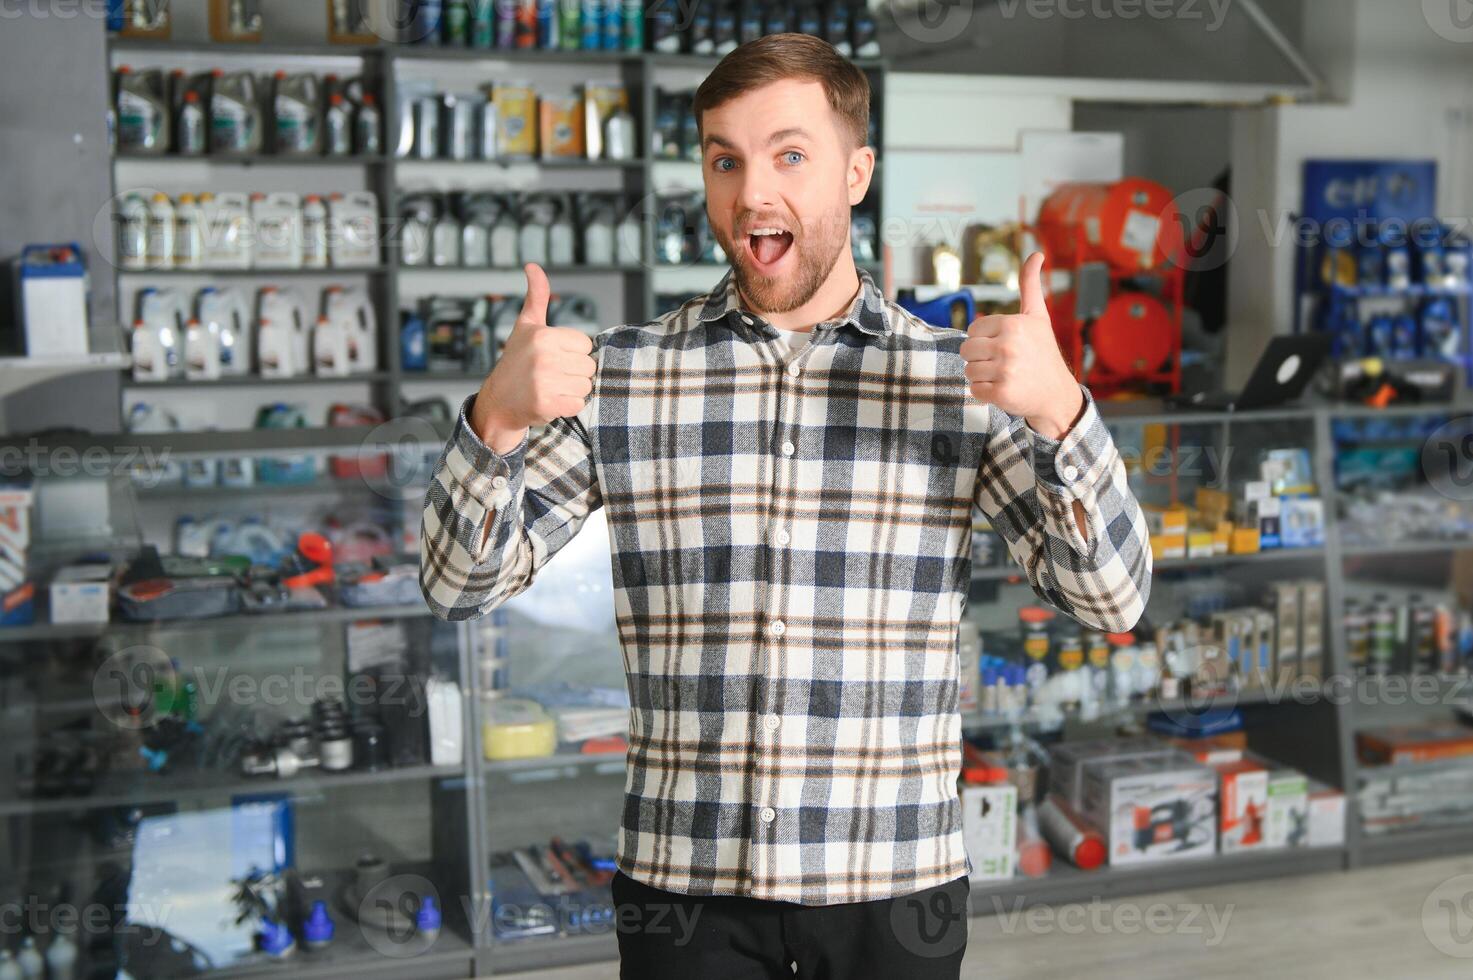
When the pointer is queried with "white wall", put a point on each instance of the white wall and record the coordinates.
(1410, 96)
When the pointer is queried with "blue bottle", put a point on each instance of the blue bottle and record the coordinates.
(592, 18)
(424, 23)
(319, 928)
(413, 354)
(547, 25)
(613, 25)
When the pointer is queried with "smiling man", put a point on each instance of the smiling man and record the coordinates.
(789, 466)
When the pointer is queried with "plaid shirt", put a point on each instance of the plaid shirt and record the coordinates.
(791, 557)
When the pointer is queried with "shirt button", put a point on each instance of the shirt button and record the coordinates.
(779, 628)
(746, 319)
(771, 722)
(1071, 473)
(789, 449)
(498, 483)
(768, 814)
(794, 370)
(783, 537)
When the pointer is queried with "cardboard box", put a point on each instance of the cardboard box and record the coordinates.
(1168, 546)
(562, 128)
(1222, 537)
(1266, 634)
(1283, 602)
(1068, 759)
(990, 830)
(1399, 744)
(1266, 515)
(1326, 816)
(1245, 541)
(516, 121)
(81, 594)
(1288, 809)
(1165, 520)
(1302, 522)
(1215, 750)
(1152, 809)
(1242, 805)
(1200, 544)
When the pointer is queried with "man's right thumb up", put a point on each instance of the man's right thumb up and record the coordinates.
(534, 307)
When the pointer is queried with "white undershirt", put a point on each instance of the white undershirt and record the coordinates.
(795, 339)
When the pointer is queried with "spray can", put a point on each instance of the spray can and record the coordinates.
(191, 127)
(338, 128)
(457, 26)
(633, 25)
(427, 128)
(506, 23)
(483, 24)
(367, 127)
(548, 37)
(591, 16)
(612, 35)
(570, 30)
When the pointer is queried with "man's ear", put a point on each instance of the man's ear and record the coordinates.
(860, 171)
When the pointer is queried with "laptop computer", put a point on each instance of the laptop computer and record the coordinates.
(1280, 376)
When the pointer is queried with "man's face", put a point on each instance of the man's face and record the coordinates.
(780, 179)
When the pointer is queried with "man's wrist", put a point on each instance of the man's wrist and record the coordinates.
(1056, 425)
(498, 436)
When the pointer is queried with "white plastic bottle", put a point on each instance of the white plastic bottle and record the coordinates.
(226, 316)
(61, 958)
(161, 233)
(314, 233)
(133, 232)
(189, 234)
(32, 966)
(201, 353)
(281, 336)
(350, 312)
(9, 968)
(329, 349)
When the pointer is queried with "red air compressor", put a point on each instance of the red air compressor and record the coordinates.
(1119, 321)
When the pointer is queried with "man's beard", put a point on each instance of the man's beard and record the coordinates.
(816, 260)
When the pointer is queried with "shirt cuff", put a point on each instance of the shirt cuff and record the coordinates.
(491, 477)
(1076, 462)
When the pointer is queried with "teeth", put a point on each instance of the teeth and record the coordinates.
(766, 231)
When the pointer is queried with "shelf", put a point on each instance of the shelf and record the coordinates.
(551, 270)
(546, 952)
(1404, 548)
(20, 373)
(255, 159)
(183, 494)
(130, 448)
(255, 381)
(359, 270)
(558, 765)
(438, 52)
(241, 621)
(571, 164)
(1416, 845)
(1067, 884)
(976, 721)
(1409, 292)
(1180, 564)
(139, 787)
(270, 50)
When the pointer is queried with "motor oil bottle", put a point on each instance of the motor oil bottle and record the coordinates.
(226, 315)
(417, 214)
(561, 236)
(329, 349)
(445, 235)
(283, 340)
(160, 233)
(158, 335)
(143, 111)
(351, 311)
(479, 339)
(368, 124)
(229, 237)
(296, 121)
(338, 128)
(191, 126)
(235, 113)
(277, 218)
(201, 352)
(314, 233)
(189, 234)
(576, 311)
(536, 220)
(133, 232)
(475, 233)
(598, 230)
(505, 238)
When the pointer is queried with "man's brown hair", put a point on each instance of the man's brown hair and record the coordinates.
(781, 56)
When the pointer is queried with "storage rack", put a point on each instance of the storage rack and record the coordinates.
(1323, 732)
(383, 65)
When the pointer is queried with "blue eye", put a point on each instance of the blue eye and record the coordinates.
(721, 164)
(793, 157)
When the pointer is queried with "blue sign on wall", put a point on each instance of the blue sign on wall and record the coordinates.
(1374, 190)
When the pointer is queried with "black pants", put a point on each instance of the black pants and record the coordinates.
(920, 936)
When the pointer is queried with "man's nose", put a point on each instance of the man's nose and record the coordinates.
(758, 191)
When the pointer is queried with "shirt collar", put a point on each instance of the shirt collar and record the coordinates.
(866, 312)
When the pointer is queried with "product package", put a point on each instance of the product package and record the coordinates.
(562, 136)
(516, 121)
(1288, 809)
(600, 104)
(1242, 805)
(989, 830)
(1152, 809)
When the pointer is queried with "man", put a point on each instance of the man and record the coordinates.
(789, 466)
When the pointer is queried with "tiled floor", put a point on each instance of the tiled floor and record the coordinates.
(1412, 921)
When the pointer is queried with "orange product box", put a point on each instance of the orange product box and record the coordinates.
(1414, 743)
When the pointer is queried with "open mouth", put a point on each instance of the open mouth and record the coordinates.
(768, 246)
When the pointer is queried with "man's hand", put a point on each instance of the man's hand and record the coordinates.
(543, 373)
(1014, 361)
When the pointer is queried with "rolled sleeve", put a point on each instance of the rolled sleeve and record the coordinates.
(493, 479)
